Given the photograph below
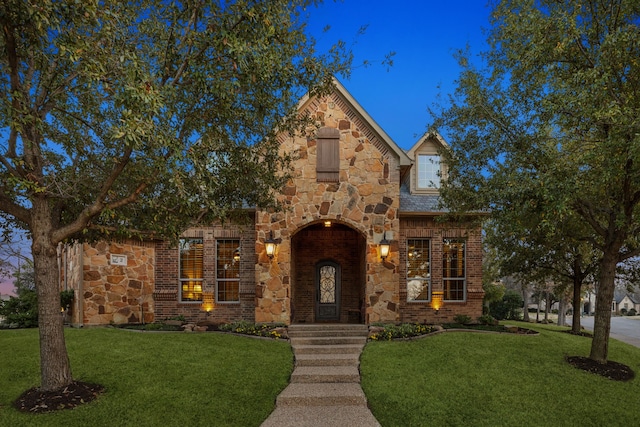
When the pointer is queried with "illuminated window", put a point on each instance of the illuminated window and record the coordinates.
(228, 271)
(191, 273)
(418, 270)
(454, 270)
(428, 171)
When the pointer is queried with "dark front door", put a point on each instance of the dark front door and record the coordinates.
(327, 291)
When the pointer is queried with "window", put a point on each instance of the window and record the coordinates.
(228, 271)
(428, 171)
(328, 155)
(418, 270)
(191, 276)
(453, 269)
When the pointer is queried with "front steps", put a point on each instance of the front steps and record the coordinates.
(325, 384)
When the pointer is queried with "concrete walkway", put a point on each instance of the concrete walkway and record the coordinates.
(324, 389)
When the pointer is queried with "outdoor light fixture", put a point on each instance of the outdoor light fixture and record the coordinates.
(385, 246)
(270, 245)
(327, 223)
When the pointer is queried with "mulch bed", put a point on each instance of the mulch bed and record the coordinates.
(612, 370)
(35, 401)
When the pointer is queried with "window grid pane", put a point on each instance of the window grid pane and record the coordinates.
(428, 171)
(191, 269)
(454, 270)
(418, 270)
(228, 271)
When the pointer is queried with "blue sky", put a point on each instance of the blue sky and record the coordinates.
(423, 33)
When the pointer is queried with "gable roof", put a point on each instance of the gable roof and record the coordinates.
(433, 135)
(357, 114)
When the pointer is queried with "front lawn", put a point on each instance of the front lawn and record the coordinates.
(480, 379)
(152, 379)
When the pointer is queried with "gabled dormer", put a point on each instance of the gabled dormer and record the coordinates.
(428, 170)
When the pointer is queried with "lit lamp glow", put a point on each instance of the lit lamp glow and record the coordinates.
(385, 246)
(270, 245)
(436, 301)
(207, 302)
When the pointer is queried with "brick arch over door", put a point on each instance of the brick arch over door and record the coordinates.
(343, 245)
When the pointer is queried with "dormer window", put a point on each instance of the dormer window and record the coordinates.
(428, 171)
(328, 155)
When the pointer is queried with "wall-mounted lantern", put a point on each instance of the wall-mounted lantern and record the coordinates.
(385, 246)
(270, 245)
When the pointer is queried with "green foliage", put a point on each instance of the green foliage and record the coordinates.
(404, 330)
(145, 116)
(269, 330)
(509, 308)
(632, 312)
(21, 311)
(545, 137)
(66, 298)
(487, 319)
(462, 319)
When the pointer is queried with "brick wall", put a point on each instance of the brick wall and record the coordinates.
(423, 312)
(339, 244)
(167, 293)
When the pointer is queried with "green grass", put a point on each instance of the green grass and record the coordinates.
(152, 379)
(480, 379)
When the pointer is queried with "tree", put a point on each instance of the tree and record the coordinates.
(529, 250)
(141, 118)
(551, 119)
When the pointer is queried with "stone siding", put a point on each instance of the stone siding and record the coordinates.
(118, 293)
(365, 199)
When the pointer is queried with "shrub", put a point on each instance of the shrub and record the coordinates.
(21, 311)
(509, 308)
(66, 298)
(404, 330)
(632, 312)
(463, 319)
(487, 319)
(623, 311)
(248, 328)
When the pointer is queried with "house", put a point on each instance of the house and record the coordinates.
(359, 241)
(624, 302)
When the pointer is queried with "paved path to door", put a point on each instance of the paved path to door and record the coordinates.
(623, 328)
(324, 389)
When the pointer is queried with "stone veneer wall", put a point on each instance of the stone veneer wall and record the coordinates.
(422, 312)
(167, 295)
(118, 294)
(366, 198)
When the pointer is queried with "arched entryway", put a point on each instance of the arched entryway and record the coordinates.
(328, 273)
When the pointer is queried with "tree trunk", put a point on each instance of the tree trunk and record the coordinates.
(562, 310)
(525, 299)
(602, 317)
(546, 306)
(55, 370)
(577, 307)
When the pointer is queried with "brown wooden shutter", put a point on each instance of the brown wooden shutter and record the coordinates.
(328, 155)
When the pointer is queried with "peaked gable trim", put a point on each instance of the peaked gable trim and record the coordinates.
(367, 125)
